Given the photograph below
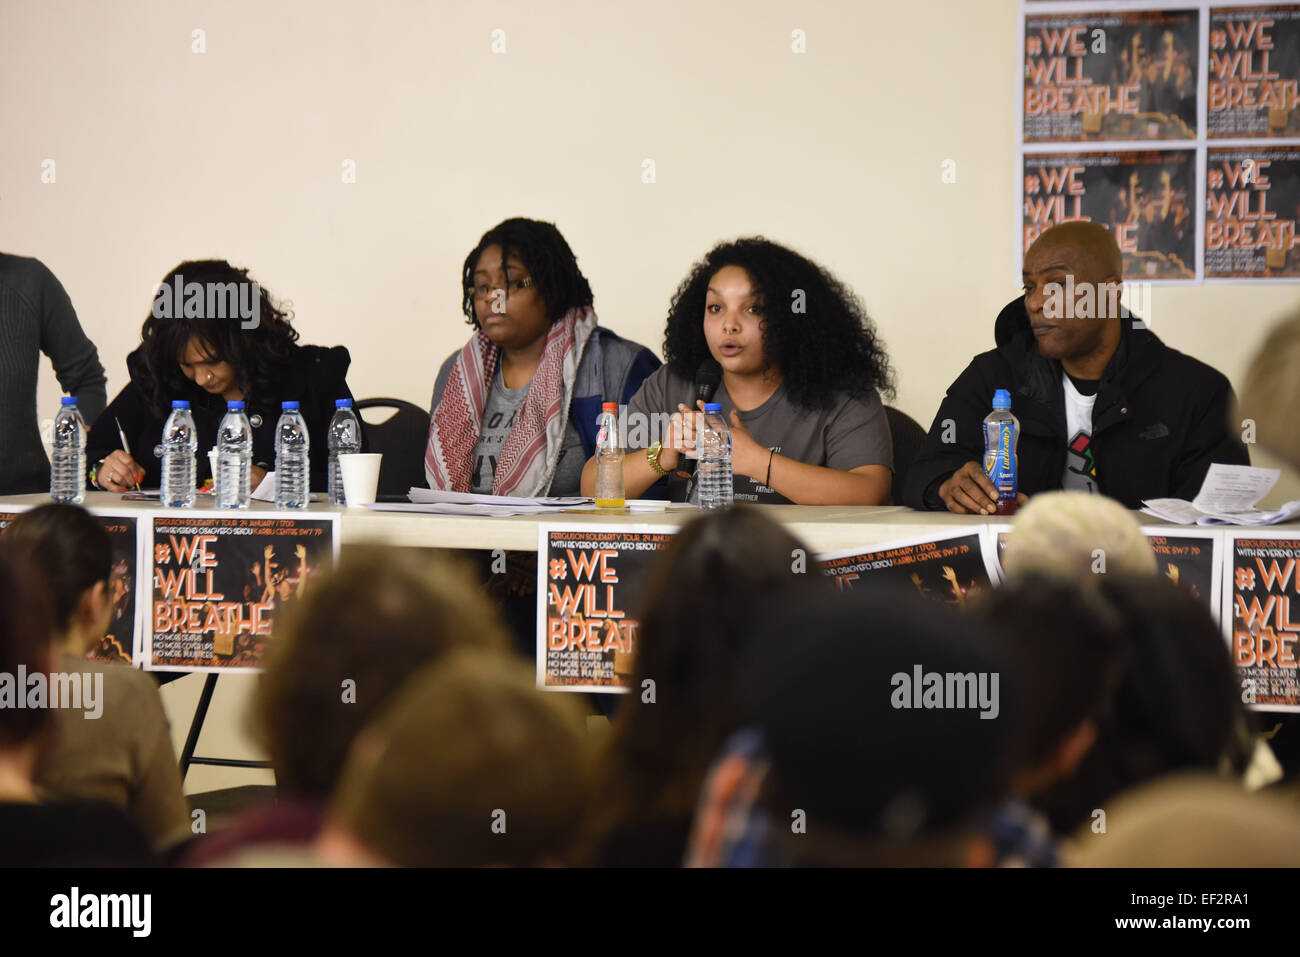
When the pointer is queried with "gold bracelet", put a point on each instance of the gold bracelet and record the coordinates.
(652, 456)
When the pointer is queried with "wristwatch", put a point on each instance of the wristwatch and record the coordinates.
(652, 456)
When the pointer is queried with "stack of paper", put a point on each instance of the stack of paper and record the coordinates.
(1227, 497)
(433, 502)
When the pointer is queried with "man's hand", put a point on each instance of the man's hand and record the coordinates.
(969, 491)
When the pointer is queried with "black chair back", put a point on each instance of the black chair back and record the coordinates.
(401, 438)
(907, 437)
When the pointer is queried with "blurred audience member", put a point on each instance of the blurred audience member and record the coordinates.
(1177, 706)
(706, 599)
(1193, 820)
(1065, 643)
(120, 751)
(1065, 534)
(52, 834)
(339, 655)
(882, 732)
(469, 765)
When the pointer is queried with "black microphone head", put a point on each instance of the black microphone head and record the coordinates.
(707, 378)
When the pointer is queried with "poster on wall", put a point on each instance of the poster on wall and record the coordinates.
(1254, 72)
(1143, 197)
(219, 584)
(120, 641)
(589, 586)
(948, 568)
(1252, 202)
(1110, 76)
(1260, 582)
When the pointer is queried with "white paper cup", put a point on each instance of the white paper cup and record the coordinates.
(212, 457)
(360, 476)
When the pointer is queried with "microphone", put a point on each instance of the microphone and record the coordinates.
(707, 379)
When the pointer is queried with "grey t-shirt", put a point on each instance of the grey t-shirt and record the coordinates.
(498, 418)
(847, 435)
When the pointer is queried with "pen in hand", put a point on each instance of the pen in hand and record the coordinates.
(125, 446)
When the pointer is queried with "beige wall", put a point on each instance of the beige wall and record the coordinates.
(163, 154)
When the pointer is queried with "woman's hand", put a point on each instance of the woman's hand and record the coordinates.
(255, 477)
(119, 472)
(680, 439)
(748, 458)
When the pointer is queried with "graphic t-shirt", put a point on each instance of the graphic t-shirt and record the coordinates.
(1080, 469)
(498, 418)
(848, 434)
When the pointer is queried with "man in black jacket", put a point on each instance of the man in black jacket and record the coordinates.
(1104, 406)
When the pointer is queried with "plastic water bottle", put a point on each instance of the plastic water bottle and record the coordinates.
(609, 459)
(714, 469)
(292, 465)
(179, 443)
(234, 458)
(1001, 461)
(68, 467)
(344, 439)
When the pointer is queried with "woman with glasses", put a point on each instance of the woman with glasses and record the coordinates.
(514, 411)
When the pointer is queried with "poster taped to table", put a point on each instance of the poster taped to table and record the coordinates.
(1111, 76)
(1190, 558)
(949, 568)
(1252, 203)
(120, 643)
(220, 581)
(1254, 72)
(590, 581)
(1261, 579)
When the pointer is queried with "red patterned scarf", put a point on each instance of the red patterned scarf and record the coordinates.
(532, 449)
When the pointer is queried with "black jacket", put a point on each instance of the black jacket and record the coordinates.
(1159, 420)
(315, 377)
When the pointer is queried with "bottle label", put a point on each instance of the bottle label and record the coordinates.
(1000, 462)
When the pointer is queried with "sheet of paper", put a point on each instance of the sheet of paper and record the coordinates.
(431, 496)
(465, 508)
(1233, 488)
(1173, 510)
(1254, 517)
(265, 491)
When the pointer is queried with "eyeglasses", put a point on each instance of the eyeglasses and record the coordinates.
(512, 286)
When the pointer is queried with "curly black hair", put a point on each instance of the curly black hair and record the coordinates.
(548, 258)
(829, 346)
(257, 354)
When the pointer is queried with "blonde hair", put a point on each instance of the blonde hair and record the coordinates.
(1065, 534)
(1270, 394)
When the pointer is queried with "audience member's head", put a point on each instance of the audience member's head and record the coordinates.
(704, 601)
(25, 643)
(1077, 537)
(1192, 820)
(1177, 707)
(469, 765)
(1270, 392)
(72, 552)
(890, 727)
(1065, 643)
(346, 646)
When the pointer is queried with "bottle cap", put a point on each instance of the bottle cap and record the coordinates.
(713, 407)
(68, 400)
(289, 406)
(1002, 399)
(180, 403)
(342, 403)
(609, 407)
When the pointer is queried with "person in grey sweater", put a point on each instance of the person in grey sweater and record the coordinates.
(36, 316)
